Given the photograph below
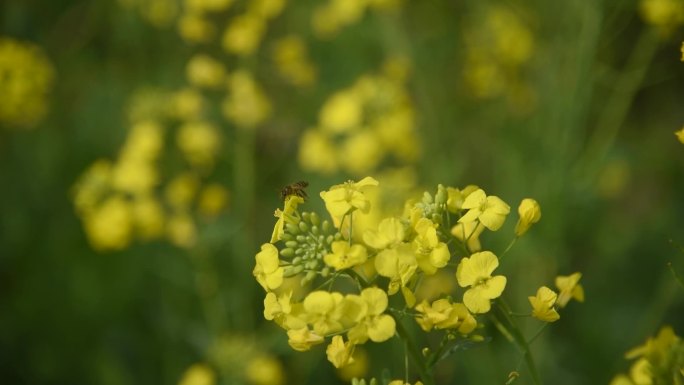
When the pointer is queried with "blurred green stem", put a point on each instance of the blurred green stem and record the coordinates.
(418, 359)
(503, 311)
(206, 287)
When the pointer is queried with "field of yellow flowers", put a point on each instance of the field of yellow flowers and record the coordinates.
(360, 192)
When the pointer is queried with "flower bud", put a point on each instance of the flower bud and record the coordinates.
(530, 213)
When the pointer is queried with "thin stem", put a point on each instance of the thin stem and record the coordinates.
(538, 333)
(515, 332)
(418, 360)
(510, 245)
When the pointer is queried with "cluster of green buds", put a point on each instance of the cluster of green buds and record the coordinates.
(307, 240)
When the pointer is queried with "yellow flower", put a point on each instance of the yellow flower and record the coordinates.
(390, 233)
(469, 232)
(340, 353)
(443, 314)
(303, 339)
(344, 198)
(212, 199)
(181, 191)
(491, 211)
(542, 305)
(569, 288)
(658, 348)
(243, 35)
(664, 14)
(530, 213)
(148, 216)
(361, 152)
(264, 370)
(181, 230)
(323, 311)
(680, 133)
(198, 374)
(246, 104)
(398, 264)
(281, 310)
(204, 71)
(285, 216)
(456, 197)
(641, 372)
(431, 254)
(268, 271)
(344, 256)
(476, 272)
(200, 143)
(317, 152)
(371, 323)
(109, 227)
(342, 112)
(195, 28)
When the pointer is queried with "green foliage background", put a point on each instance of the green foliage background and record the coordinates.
(610, 92)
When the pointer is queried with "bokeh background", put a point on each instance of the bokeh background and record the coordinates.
(143, 144)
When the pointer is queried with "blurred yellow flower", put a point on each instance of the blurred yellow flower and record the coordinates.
(342, 112)
(361, 152)
(569, 289)
(680, 134)
(490, 210)
(317, 152)
(181, 230)
(268, 271)
(530, 213)
(186, 104)
(244, 34)
(542, 305)
(339, 352)
(266, 9)
(303, 339)
(148, 217)
(476, 272)
(181, 190)
(110, 225)
(207, 5)
(666, 15)
(195, 28)
(344, 256)
(246, 104)
(200, 142)
(198, 374)
(26, 78)
(292, 61)
(212, 200)
(265, 370)
(204, 71)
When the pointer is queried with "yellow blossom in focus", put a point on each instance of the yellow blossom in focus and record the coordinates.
(431, 254)
(542, 305)
(390, 233)
(285, 216)
(340, 353)
(283, 311)
(371, 323)
(246, 104)
(268, 271)
(265, 370)
(443, 314)
(204, 71)
(303, 339)
(323, 311)
(200, 143)
(569, 289)
(344, 256)
(198, 374)
(476, 272)
(26, 78)
(398, 264)
(244, 34)
(317, 152)
(680, 134)
(212, 200)
(530, 213)
(490, 210)
(195, 28)
(342, 199)
(469, 232)
(181, 230)
(342, 112)
(109, 226)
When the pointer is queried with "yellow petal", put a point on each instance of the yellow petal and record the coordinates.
(382, 328)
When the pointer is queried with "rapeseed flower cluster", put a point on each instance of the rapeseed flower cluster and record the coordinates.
(659, 361)
(26, 79)
(364, 125)
(351, 281)
(331, 17)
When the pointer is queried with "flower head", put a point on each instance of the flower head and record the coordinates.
(490, 210)
(371, 323)
(569, 288)
(476, 272)
(344, 198)
(340, 353)
(431, 254)
(530, 213)
(303, 339)
(443, 314)
(267, 271)
(285, 216)
(398, 264)
(542, 305)
(344, 256)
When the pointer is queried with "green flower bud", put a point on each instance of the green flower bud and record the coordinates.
(291, 244)
(303, 227)
(287, 252)
(291, 228)
(315, 219)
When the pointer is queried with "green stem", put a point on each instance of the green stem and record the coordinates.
(418, 360)
(510, 245)
(674, 273)
(520, 340)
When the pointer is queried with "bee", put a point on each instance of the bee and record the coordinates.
(296, 188)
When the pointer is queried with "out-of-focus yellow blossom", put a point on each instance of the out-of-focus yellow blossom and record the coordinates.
(181, 190)
(476, 272)
(159, 13)
(682, 51)
(181, 230)
(513, 41)
(542, 305)
(490, 210)
(431, 254)
(396, 132)
(680, 135)
(659, 361)
(148, 104)
(569, 289)
(361, 152)
(614, 178)
(144, 142)
(268, 271)
(265, 370)
(342, 112)
(329, 18)
(371, 323)
(342, 199)
(323, 311)
(110, 225)
(469, 232)
(200, 142)
(186, 104)
(195, 28)
(401, 382)
(530, 213)
(244, 34)
(655, 348)
(134, 176)
(292, 61)
(398, 264)
(339, 352)
(390, 233)
(303, 339)
(443, 314)
(317, 152)
(266, 9)
(344, 256)
(198, 374)
(246, 104)
(207, 5)
(26, 78)
(204, 71)
(285, 216)
(358, 367)
(621, 380)
(641, 372)
(149, 217)
(433, 286)
(212, 200)
(92, 186)
(666, 15)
